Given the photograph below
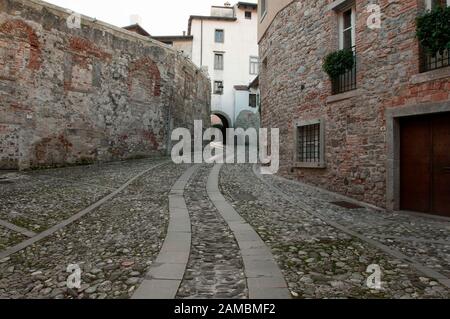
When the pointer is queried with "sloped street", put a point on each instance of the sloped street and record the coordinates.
(150, 228)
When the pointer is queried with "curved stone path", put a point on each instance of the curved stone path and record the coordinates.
(206, 231)
(215, 268)
(264, 277)
(220, 256)
(165, 275)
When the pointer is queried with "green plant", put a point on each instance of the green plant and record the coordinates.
(433, 30)
(338, 62)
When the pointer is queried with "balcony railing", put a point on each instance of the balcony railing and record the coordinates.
(435, 61)
(347, 81)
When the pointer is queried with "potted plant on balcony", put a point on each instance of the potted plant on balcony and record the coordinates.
(338, 63)
(433, 30)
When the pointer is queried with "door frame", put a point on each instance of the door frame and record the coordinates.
(393, 117)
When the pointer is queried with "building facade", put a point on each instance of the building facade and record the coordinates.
(181, 43)
(96, 93)
(224, 44)
(380, 133)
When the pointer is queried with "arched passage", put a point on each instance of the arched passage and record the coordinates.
(222, 122)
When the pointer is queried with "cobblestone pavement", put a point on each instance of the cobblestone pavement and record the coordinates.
(116, 243)
(320, 261)
(113, 245)
(40, 199)
(215, 268)
(422, 238)
(9, 238)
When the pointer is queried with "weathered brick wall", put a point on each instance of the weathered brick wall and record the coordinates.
(355, 128)
(98, 93)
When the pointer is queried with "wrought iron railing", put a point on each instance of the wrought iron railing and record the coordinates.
(347, 81)
(435, 61)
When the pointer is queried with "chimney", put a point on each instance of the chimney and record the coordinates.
(184, 33)
(135, 19)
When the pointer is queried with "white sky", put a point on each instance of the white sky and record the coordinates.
(159, 17)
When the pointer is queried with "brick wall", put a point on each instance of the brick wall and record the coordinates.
(97, 93)
(294, 87)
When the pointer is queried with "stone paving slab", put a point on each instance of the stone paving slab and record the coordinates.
(215, 268)
(167, 271)
(156, 289)
(249, 242)
(173, 257)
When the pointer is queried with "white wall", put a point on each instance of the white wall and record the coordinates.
(240, 43)
(183, 45)
(242, 102)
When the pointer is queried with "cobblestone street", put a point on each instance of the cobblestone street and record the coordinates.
(153, 229)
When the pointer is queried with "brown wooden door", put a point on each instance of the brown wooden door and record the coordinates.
(425, 164)
(441, 165)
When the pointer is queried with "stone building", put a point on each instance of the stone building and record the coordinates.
(86, 91)
(380, 133)
(182, 43)
(224, 44)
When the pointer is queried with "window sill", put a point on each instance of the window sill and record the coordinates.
(430, 75)
(309, 165)
(339, 5)
(342, 96)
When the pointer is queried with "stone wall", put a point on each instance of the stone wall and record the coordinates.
(95, 93)
(294, 88)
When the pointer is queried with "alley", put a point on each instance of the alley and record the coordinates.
(150, 228)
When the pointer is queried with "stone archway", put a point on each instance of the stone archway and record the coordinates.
(223, 124)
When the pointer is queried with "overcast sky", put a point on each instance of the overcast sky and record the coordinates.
(159, 17)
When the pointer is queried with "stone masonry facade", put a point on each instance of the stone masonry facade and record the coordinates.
(95, 93)
(294, 88)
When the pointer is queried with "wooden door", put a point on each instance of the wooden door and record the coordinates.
(425, 164)
(441, 165)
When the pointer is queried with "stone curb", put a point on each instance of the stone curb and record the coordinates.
(264, 278)
(166, 273)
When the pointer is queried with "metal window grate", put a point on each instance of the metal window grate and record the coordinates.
(435, 61)
(347, 81)
(309, 143)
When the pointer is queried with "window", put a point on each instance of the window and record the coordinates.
(253, 101)
(309, 147)
(254, 65)
(263, 8)
(437, 60)
(218, 61)
(347, 21)
(347, 33)
(218, 87)
(431, 4)
(220, 36)
(248, 15)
